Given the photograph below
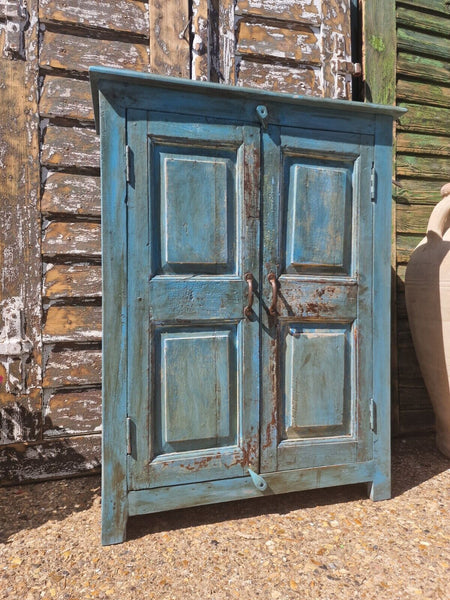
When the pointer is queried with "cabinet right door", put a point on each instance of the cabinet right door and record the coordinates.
(317, 345)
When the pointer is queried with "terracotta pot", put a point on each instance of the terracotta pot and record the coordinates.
(427, 287)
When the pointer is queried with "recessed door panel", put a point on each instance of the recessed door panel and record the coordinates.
(318, 217)
(316, 399)
(197, 392)
(197, 195)
(196, 415)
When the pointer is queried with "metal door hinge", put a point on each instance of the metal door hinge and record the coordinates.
(127, 162)
(346, 67)
(373, 415)
(129, 448)
(373, 181)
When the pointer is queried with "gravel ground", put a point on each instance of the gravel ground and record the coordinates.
(322, 544)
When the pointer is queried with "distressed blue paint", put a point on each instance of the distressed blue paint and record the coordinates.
(211, 196)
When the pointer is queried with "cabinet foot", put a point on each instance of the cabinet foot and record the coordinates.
(114, 532)
(379, 489)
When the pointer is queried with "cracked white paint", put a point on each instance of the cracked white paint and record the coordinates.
(14, 345)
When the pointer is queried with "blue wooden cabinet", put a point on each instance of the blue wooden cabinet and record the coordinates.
(246, 273)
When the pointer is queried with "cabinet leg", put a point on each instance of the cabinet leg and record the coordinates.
(379, 489)
(114, 530)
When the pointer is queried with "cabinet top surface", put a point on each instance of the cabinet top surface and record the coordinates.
(99, 76)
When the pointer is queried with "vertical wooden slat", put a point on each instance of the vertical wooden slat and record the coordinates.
(201, 23)
(170, 37)
(20, 337)
(379, 51)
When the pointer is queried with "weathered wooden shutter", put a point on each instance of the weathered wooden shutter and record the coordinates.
(20, 314)
(422, 167)
(299, 47)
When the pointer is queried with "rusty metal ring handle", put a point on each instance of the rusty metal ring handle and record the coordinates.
(273, 282)
(248, 309)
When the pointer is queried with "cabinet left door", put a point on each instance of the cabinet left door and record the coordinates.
(192, 236)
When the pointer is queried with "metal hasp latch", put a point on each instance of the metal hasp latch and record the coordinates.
(259, 482)
(262, 113)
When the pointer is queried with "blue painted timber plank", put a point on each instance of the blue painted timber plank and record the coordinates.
(159, 499)
(114, 368)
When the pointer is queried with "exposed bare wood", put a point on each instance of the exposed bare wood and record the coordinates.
(280, 78)
(336, 53)
(426, 119)
(72, 413)
(47, 460)
(419, 166)
(20, 317)
(169, 37)
(73, 281)
(73, 368)
(223, 42)
(75, 54)
(130, 16)
(77, 239)
(200, 43)
(70, 147)
(413, 219)
(300, 44)
(71, 194)
(302, 11)
(73, 323)
(401, 271)
(66, 98)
